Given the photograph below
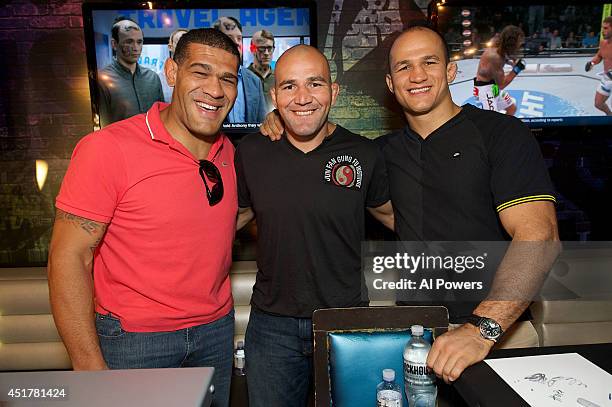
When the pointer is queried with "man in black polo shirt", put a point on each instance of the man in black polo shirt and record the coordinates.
(461, 174)
(309, 193)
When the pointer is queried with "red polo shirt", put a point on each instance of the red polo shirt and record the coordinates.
(164, 262)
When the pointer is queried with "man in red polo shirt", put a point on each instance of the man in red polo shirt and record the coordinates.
(149, 204)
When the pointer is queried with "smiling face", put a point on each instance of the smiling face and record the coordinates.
(303, 92)
(419, 73)
(204, 88)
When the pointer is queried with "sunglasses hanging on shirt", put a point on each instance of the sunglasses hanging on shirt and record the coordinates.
(210, 171)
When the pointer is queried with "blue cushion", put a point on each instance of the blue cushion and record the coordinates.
(356, 361)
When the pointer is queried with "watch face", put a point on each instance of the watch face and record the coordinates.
(490, 329)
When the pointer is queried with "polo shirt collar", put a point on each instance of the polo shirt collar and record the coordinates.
(450, 123)
(158, 132)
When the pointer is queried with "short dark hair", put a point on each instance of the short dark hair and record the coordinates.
(204, 36)
(116, 26)
(217, 24)
(607, 20)
(420, 26)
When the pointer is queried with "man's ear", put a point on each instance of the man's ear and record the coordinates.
(451, 72)
(113, 44)
(170, 69)
(335, 88)
(389, 83)
(273, 96)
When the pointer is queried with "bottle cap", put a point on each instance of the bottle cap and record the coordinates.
(388, 375)
(417, 330)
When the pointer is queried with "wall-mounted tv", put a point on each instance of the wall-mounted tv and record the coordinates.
(559, 39)
(118, 93)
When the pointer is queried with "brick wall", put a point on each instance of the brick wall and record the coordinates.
(356, 37)
(45, 104)
(44, 111)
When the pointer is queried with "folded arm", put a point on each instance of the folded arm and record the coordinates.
(516, 281)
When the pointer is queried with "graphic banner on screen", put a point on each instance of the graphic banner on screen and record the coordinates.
(552, 85)
(118, 94)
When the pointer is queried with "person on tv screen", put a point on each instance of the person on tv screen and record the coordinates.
(142, 242)
(491, 80)
(604, 54)
(262, 48)
(310, 222)
(126, 88)
(172, 42)
(501, 190)
(250, 106)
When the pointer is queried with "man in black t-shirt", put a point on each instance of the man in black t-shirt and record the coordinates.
(462, 174)
(309, 193)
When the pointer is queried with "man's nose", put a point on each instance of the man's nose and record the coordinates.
(303, 96)
(418, 74)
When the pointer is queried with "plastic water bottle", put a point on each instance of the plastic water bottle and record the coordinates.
(419, 382)
(388, 393)
(239, 360)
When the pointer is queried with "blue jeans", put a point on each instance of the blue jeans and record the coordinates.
(278, 354)
(206, 345)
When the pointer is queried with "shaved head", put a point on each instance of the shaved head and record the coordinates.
(422, 29)
(300, 53)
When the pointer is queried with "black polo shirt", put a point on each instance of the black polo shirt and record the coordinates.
(310, 211)
(451, 185)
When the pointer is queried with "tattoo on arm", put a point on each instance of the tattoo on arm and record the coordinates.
(93, 228)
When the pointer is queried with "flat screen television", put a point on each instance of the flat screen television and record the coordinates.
(559, 39)
(291, 22)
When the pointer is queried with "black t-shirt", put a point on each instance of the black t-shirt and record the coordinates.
(310, 211)
(451, 185)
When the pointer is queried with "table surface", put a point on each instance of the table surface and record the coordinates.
(136, 387)
(479, 385)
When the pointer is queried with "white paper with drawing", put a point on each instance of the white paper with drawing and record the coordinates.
(556, 380)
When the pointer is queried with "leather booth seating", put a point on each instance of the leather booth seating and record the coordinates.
(576, 300)
(29, 339)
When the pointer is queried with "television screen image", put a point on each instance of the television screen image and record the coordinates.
(552, 84)
(118, 93)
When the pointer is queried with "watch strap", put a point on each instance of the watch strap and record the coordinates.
(476, 320)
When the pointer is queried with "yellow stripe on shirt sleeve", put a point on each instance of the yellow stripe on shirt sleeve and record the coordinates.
(525, 199)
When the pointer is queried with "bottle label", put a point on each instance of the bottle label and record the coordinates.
(388, 398)
(417, 373)
(239, 362)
